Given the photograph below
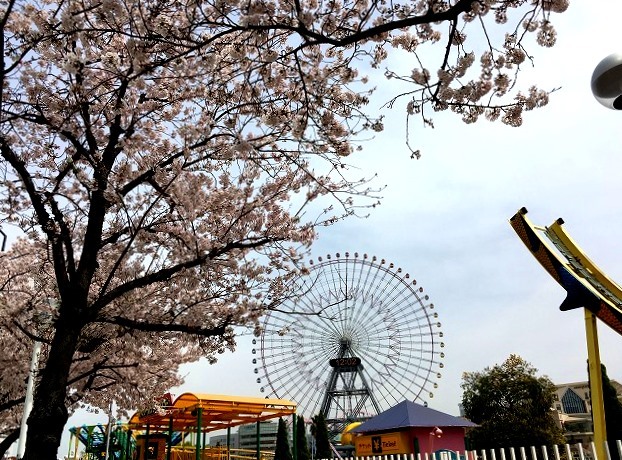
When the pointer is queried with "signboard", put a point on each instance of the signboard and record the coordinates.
(158, 406)
(347, 362)
(380, 444)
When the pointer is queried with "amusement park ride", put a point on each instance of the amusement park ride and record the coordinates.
(587, 287)
(176, 430)
(358, 337)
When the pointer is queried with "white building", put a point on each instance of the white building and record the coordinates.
(246, 437)
(574, 410)
(221, 440)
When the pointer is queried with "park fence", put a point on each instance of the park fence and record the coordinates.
(555, 452)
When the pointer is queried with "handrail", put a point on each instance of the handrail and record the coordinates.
(187, 452)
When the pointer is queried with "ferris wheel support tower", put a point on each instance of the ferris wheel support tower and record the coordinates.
(347, 392)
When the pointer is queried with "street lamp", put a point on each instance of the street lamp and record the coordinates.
(607, 82)
(42, 321)
(32, 373)
(435, 433)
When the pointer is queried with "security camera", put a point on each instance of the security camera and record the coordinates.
(607, 81)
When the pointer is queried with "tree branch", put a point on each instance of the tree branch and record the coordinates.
(8, 441)
(47, 224)
(6, 405)
(168, 327)
(452, 13)
(166, 273)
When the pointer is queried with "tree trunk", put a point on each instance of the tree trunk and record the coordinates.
(49, 412)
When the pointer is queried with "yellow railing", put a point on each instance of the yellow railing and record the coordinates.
(219, 453)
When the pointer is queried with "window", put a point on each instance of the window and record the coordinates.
(573, 404)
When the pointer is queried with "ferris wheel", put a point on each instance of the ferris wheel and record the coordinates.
(357, 337)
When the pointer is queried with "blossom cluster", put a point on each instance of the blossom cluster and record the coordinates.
(472, 80)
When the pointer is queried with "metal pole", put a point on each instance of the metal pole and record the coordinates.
(170, 438)
(146, 450)
(70, 443)
(228, 442)
(75, 445)
(596, 384)
(295, 435)
(199, 419)
(128, 445)
(257, 439)
(108, 432)
(23, 430)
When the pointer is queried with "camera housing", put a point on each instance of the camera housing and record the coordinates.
(607, 81)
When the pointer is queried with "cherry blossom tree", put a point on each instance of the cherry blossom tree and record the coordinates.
(104, 367)
(168, 162)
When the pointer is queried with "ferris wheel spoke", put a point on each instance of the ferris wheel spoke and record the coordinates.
(398, 364)
(302, 380)
(400, 302)
(284, 359)
(323, 307)
(371, 276)
(357, 315)
(317, 327)
(337, 287)
(385, 287)
(375, 289)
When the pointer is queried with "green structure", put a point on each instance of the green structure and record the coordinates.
(176, 430)
(94, 438)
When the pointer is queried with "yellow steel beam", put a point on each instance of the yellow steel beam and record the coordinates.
(596, 385)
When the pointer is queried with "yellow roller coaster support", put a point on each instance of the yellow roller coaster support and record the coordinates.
(596, 385)
(591, 333)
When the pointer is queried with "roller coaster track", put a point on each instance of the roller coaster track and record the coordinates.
(586, 285)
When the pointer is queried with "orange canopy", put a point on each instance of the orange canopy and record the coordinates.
(217, 412)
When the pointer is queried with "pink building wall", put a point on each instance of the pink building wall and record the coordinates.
(451, 439)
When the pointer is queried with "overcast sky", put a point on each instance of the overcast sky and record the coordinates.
(444, 219)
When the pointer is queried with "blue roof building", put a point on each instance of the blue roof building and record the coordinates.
(408, 428)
